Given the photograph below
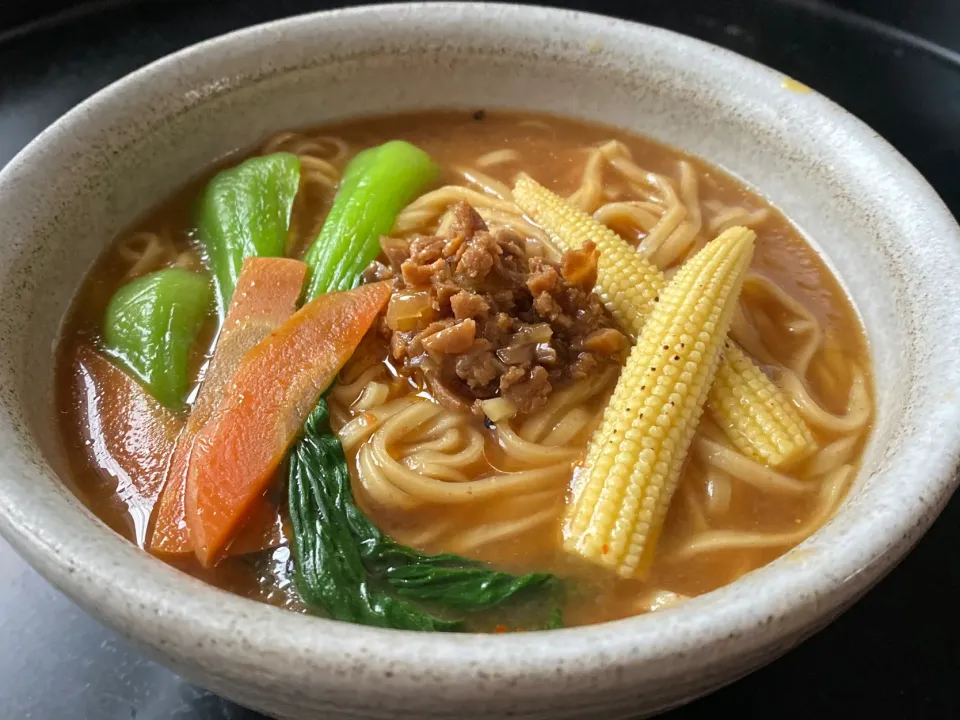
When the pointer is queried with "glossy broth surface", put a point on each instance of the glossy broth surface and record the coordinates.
(554, 151)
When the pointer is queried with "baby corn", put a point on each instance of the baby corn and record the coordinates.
(635, 457)
(757, 417)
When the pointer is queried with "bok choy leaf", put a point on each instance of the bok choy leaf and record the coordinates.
(349, 569)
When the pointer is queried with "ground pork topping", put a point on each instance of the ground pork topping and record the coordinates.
(474, 317)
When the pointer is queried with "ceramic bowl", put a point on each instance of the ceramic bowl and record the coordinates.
(878, 224)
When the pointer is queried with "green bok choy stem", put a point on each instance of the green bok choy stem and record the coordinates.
(245, 212)
(377, 184)
(150, 326)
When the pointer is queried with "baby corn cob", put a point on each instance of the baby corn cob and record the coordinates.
(635, 457)
(758, 418)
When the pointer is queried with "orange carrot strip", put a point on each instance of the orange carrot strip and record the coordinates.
(266, 294)
(129, 435)
(266, 402)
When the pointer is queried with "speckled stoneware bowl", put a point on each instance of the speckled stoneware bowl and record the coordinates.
(879, 226)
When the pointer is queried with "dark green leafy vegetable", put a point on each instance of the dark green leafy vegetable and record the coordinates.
(449, 580)
(354, 572)
(555, 619)
(329, 567)
(377, 184)
(444, 579)
(245, 212)
(150, 326)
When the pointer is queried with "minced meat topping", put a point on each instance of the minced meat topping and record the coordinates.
(475, 316)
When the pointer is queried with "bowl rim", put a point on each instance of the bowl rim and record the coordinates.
(158, 604)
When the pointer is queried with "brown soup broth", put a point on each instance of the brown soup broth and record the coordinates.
(552, 150)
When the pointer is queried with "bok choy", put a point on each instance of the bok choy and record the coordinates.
(376, 186)
(150, 325)
(245, 212)
(347, 568)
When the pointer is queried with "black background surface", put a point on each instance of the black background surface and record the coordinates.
(894, 64)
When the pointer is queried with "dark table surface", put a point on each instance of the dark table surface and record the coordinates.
(894, 64)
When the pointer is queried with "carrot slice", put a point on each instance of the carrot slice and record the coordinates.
(266, 295)
(128, 434)
(266, 402)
